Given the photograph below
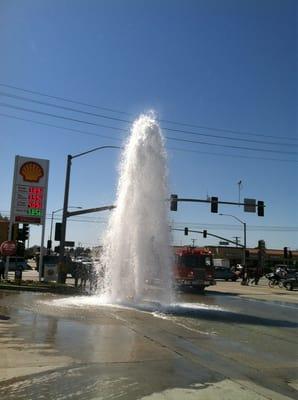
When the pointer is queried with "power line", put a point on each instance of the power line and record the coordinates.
(65, 108)
(233, 131)
(58, 116)
(167, 137)
(65, 99)
(126, 130)
(229, 138)
(269, 228)
(128, 121)
(232, 155)
(188, 223)
(64, 128)
(236, 132)
(233, 147)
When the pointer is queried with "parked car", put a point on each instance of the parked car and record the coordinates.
(16, 262)
(226, 274)
(291, 282)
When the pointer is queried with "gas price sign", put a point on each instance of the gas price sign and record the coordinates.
(29, 190)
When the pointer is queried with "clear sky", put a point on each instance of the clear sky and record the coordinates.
(225, 64)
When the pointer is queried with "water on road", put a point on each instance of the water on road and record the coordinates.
(214, 345)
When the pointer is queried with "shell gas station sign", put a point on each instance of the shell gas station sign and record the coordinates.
(29, 196)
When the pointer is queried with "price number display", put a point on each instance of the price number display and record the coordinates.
(35, 201)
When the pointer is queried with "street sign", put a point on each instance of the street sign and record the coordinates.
(250, 205)
(8, 248)
(222, 243)
(29, 194)
(69, 244)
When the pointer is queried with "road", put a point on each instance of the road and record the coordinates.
(213, 346)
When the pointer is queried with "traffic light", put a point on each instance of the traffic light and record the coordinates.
(214, 204)
(25, 232)
(285, 252)
(173, 200)
(260, 207)
(186, 231)
(58, 231)
(204, 233)
(20, 249)
(261, 244)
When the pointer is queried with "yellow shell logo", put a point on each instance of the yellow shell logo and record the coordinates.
(31, 171)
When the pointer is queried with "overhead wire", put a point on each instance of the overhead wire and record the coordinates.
(201, 225)
(64, 99)
(233, 131)
(22, 98)
(126, 130)
(167, 137)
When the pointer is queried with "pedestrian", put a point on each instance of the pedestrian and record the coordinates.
(2, 269)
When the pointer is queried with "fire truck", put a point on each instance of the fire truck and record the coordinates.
(193, 267)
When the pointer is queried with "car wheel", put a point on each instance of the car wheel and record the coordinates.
(289, 286)
(280, 285)
(271, 284)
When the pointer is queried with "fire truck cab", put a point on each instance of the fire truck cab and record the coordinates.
(194, 267)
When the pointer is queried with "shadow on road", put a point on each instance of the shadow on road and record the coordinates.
(228, 317)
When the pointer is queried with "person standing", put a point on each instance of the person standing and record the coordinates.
(2, 269)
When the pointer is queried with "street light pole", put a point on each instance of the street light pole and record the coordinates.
(52, 219)
(53, 212)
(244, 280)
(65, 204)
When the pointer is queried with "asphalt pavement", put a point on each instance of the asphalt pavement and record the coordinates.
(226, 344)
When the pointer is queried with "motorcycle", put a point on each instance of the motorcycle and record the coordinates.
(274, 280)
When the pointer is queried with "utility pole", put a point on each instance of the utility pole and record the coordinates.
(193, 242)
(236, 240)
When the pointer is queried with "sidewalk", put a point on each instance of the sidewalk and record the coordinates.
(30, 282)
(258, 292)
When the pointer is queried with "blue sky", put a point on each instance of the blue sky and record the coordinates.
(223, 64)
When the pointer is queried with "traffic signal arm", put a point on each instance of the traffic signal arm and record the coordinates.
(214, 203)
(209, 234)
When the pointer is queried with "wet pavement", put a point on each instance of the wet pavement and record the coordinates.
(213, 346)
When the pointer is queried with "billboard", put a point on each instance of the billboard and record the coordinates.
(29, 194)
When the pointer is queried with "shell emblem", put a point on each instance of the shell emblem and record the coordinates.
(31, 171)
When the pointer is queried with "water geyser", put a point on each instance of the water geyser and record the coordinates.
(136, 258)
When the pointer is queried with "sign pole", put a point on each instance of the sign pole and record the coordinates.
(43, 229)
(41, 253)
(7, 257)
(12, 213)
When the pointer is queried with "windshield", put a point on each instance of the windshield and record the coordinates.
(195, 261)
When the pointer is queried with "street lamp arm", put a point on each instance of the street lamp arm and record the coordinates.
(95, 149)
(245, 276)
(233, 216)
